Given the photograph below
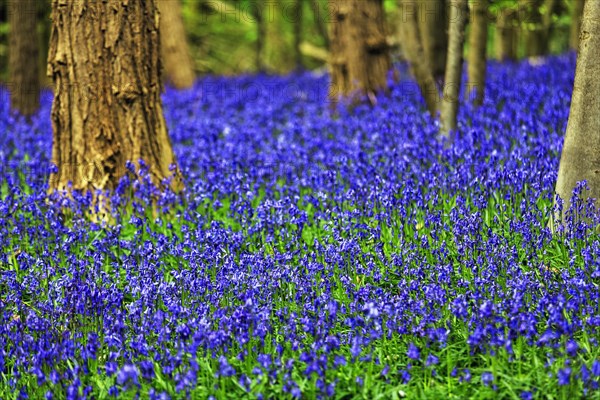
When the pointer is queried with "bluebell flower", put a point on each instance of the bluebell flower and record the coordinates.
(413, 352)
(487, 378)
(128, 373)
(564, 376)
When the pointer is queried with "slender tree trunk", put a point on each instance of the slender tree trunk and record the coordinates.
(576, 23)
(580, 159)
(433, 28)
(360, 57)
(261, 33)
(533, 27)
(414, 52)
(43, 40)
(478, 50)
(452, 81)
(297, 23)
(174, 48)
(23, 57)
(321, 21)
(506, 35)
(104, 60)
(550, 7)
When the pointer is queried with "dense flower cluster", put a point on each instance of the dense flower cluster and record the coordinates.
(312, 254)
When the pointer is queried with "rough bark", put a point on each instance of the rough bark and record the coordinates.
(413, 49)
(433, 28)
(478, 50)
(24, 73)
(452, 80)
(360, 57)
(174, 49)
(580, 158)
(104, 60)
(506, 35)
(576, 23)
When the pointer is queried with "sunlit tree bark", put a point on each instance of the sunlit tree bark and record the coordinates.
(105, 65)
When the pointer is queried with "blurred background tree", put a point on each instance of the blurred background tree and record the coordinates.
(223, 34)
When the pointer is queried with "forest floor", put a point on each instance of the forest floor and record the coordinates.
(310, 255)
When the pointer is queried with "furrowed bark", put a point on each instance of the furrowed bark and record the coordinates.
(105, 64)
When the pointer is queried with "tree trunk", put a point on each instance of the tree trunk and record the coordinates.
(297, 23)
(576, 23)
(261, 32)
(23, 53)
(450, 101)
(413, 49)
(506, 35)
(547, 23)
(320, 20)
(533, 27)
(44, 9)
(174, 49)
(580, 158)
(478, 50)
(360, 57)
(433, 29)
(104, 60)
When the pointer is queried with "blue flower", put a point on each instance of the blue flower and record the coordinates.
(564, 376)
(128, 373)
(413, 352)
(487, 378)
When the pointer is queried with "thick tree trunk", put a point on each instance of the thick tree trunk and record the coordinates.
(23, 56)
(104, 60)
(580, 159)
(506, 35)
(297, 23)
(433, 27)
(576, 23)
(174, 49)
(360, 57)
(413, 49)
(452, 81)
(478, 50)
